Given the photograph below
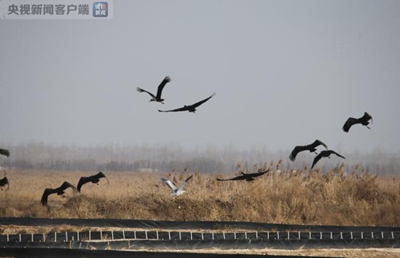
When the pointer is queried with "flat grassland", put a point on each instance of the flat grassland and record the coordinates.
(289, 197)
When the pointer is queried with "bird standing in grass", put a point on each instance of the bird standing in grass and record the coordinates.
(157, 98)
(325, 154)
(190, 108)
(175, 190)
(60, 191)
(311, 147)
(94, 179)
(364, 120)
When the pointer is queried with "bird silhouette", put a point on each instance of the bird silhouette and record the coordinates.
(352, 121)
(60, 191)
(311, 147)
(94, 179)
(325, 154)
(190, 108)
(3, 182)
(157, 98)
(175, 190)
(5, 152)
(245, 176)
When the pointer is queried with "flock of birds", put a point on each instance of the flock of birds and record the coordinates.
(158, 98)
(364, 120)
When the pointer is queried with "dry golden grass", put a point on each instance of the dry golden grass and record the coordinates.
(290, 197)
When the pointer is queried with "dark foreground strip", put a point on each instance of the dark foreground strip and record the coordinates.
(152, 224)
(66, 253)
(165, 245)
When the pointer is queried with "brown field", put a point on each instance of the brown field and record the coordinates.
(278, 197)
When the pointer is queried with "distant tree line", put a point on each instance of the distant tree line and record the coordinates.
(167, 158)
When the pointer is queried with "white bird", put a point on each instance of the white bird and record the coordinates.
(175, 191)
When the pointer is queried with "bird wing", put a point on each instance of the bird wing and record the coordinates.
(4, 182)
(184, 183)
(350, 121)
(142, 90)
(366, 116)
(166, 80)
(46, 193)
(258, 174)
(337, 154)
(317, 142)
(195, 105)
(65, 185)
(185, 108)
(295, 151)
(316, 159)
(169, 183)
(82, 181)
(100, 175)
(241, 177)
(5, 152)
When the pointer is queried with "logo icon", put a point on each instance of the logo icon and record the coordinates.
(100, 9)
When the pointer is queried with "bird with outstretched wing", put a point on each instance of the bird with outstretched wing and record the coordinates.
(175, 190)
(157, 98)
(324, 154)
(244, 176)
(60, 191)
(364, 120)
(190, 108)
(94, 179)
(311, 147)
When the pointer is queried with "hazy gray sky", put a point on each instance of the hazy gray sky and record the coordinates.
(285, 73)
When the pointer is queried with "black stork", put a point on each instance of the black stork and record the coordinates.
(245, 176)
(94, 179)
(364, 120)
(157, 98)
(60, 191)
(190, 108)
(311, 147)
(325, 154)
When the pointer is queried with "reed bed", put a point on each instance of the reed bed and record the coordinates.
(281, 196)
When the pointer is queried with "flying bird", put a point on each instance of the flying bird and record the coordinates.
(4, 182)
(60, 191)
(94, 179)
(157, 98)
(362, 120)
(311, 147)
(190, 108)
(5, 152)
(175, 190)
(244, 176)
(325, 154)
